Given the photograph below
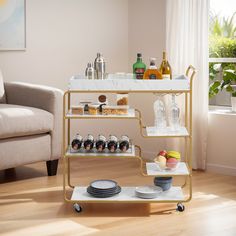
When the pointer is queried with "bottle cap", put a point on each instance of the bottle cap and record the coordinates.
(139, 54)
(152, 61)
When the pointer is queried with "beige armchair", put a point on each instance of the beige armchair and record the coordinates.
(30, 125)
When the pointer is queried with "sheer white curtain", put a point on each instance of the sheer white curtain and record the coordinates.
(187, 43)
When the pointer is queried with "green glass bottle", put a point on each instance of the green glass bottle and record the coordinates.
(139, 67)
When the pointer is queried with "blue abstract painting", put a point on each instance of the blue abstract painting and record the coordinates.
(12, 25)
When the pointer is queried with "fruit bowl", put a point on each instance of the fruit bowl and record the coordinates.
(167, 160)
(170, 166)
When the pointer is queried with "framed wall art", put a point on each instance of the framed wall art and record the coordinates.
(12, 25)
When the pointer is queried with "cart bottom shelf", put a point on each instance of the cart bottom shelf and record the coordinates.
(127, 194)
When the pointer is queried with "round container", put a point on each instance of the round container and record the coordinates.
(164, 182)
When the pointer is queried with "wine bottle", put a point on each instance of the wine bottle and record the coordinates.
(89, 142)
(139, 67)
(112, 143)
(124, 143)
(165, 68)
(77, 142)
(100, 143)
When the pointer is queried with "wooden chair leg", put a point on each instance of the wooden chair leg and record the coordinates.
(52, 167)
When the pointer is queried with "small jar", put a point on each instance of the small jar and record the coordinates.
(122, 99)
(100, 143)
(89, 142)
(86, 105)
(93, 109)
(77, 110)
(112, 143)
(77, 142)
(124, 143)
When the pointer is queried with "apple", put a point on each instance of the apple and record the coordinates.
(161, 161)
(163, 153)
(172, 163)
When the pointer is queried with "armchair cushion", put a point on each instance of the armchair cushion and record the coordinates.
(18, 121)
(41, 97)
(2, 91)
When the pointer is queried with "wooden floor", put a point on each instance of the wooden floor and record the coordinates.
(32, 204)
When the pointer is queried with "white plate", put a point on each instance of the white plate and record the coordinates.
(148, 191)
(103, 184)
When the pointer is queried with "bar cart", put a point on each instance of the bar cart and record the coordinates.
(175, 194)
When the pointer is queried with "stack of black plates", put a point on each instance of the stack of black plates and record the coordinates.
(103, 188)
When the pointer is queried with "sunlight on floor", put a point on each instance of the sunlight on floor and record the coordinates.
(65, 227)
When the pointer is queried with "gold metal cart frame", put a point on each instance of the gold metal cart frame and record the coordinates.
(190, 73)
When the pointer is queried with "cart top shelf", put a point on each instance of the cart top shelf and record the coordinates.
(129, 85)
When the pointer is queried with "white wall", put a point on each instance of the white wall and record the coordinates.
(62, 36)
(221, 146)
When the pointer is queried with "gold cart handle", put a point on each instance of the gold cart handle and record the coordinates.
(192, 70)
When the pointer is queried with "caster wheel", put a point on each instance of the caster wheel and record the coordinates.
(180, 207)
(77, 207)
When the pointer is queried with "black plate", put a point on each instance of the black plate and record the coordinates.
(104, 194)
(103, 190)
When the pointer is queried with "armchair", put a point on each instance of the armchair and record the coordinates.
(30, 125)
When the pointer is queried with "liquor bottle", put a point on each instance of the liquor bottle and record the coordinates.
(77, 142)
(152, 72)
(174, 115)
(124, 143)
(100, 143)
(112, 143)
(89, 142)
(139, 67)
(165, 68)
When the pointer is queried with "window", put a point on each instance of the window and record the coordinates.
(222, 52)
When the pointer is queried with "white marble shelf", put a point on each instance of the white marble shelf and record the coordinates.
(127, 194)
(131, 114)
(93, 153)
(180, 83)
(154, 170)
(168, 132)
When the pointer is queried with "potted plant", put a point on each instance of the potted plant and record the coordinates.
(227, 83)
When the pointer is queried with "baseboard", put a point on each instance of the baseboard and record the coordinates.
(221, 169)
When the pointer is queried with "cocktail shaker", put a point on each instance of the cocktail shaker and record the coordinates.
(99, 66)
(89, 72)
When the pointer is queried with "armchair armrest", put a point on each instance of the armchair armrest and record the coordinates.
(42, 97)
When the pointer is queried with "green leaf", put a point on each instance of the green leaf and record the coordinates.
(229, 89)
